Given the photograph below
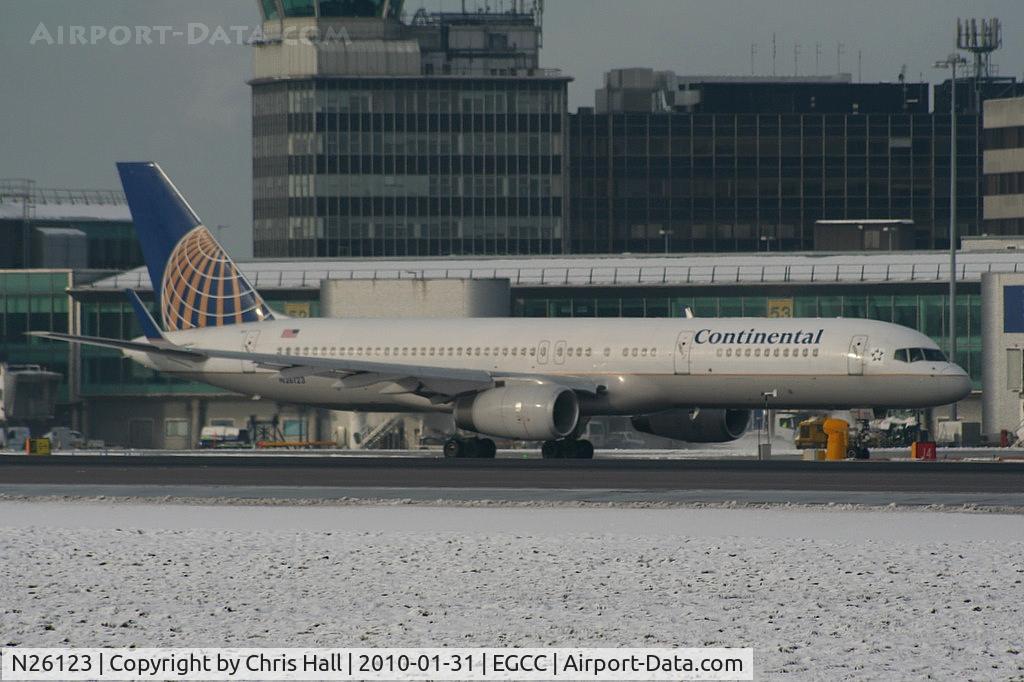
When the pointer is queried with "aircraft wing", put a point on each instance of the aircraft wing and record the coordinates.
(439, 384)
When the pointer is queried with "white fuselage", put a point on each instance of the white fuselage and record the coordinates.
(646, 365)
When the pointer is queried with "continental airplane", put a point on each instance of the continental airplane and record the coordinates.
(689, 379)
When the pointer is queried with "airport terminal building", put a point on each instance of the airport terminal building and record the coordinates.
(417, 151)
(166, 412)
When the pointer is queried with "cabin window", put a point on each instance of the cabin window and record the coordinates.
(533, 351)
(588, 352)
(643, 352)
(607, 352)
(654, 352)
(728, 352)
(747, 352)
(815, 352)
(718, 352)
(757, 352)
(776, 353)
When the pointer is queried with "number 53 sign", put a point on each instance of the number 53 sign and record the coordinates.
(780, 307)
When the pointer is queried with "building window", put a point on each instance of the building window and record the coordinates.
(176, 428)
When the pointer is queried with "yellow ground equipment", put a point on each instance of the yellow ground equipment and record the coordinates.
(838, 432)
(811, 434)
(37, 446)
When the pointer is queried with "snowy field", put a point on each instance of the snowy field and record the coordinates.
(818, 593)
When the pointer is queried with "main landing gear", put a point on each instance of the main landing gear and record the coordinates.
(567, 449)
(480, 448)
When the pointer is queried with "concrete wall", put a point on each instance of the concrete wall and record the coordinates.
(1002, 351)
(455, 298)
(434, 298)
(1004, 113)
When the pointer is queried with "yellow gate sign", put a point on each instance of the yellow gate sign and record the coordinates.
(296, 309)
(780, 307)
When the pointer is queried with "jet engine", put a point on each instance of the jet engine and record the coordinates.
(695, 426)
(520, 411)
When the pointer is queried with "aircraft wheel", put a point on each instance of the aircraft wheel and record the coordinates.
(584, 449)
(550, 450)
(486, 449)
(453, 448)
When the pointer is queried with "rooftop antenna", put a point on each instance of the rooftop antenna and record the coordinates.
(753, 54)
(773, 54)
(981, 40)
(796, 59)
(840, 48)
(817, 56)
(860, 54)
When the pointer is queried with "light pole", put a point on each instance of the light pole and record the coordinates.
(666, 234)
(951, 62)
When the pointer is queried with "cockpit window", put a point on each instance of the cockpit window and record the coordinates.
(920, 355)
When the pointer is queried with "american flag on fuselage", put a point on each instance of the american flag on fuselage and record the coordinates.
(289, 333)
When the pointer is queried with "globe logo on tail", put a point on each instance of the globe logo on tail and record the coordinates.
(202, 287)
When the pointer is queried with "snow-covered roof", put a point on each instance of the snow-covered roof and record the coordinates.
(67, 212)
(56, 204)
(622, 270)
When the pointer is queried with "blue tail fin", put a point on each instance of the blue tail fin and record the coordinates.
(195, 281)
(146, 321)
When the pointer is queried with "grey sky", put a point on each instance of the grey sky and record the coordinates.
(70, 112)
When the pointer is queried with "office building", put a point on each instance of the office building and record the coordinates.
(440, 134)
(1004, 166)
(690, 164)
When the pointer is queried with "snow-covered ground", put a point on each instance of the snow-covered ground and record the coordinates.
(818, 593)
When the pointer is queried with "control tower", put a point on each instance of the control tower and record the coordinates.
(380, 134)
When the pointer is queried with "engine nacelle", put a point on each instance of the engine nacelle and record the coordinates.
(520, 411)
(695, 426)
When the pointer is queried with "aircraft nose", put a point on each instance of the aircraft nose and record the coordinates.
(956, 385)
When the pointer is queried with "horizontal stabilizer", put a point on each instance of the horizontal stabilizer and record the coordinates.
(172, 351)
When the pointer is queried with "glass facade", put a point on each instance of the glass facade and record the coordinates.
(414, 166)
(648, 182)
(272, 9)
(110, 245)
(925, 312)
(35, 300)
